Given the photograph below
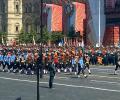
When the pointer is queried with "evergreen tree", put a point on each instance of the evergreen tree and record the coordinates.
(71, 33)
(3, 37)
(56, 37)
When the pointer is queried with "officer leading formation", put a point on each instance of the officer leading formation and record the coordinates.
(52, 71)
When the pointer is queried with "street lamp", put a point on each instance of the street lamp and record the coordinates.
(40, 55)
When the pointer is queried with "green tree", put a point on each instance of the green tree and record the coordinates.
(22, 36)
(56, 36)
(25, 37)
(33, 34)
(46, 35)
(71, 33)
(3, 37)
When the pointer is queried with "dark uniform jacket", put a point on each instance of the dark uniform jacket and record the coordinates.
(118, 58)
(52, 69)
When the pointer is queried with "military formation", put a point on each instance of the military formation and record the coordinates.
(24, 59)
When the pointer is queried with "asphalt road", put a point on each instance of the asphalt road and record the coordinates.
(100, 85)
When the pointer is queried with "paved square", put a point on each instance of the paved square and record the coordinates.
(100, 85)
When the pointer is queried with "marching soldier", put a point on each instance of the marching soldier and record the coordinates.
(5, 62)
(12, 64)
(56, 62)
(22, 64)
(29, 63)
(87, 61)
(1, 59)
(8, 61)
(63, 61)
(81, 66)
(35, 61)
(73, 62)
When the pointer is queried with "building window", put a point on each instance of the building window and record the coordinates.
(25, 9)
(4, 28)
(17, 6)
(37, 29)
(28, 8)
(28, 28)
(117, 5)
(3, 7)
(36, 7)
(17, 29)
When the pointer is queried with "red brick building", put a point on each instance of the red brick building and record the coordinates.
(62, 16)
(112, 12)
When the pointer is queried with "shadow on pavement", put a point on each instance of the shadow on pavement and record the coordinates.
(112, 74)
(74, 77)
(19, 98)
(44, 87)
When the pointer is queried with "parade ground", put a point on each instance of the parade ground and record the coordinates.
(100, 85)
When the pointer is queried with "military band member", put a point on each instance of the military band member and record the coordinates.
(63, 61)
(73, 62)
(87, 61)
(81, 66)
(56, 62)
(12, 62)
(4, 62)
(29, 64)
(8, 61)
(22, 66)
(35, 62)
(1, 59)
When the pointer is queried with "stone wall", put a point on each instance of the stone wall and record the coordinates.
(14, 20)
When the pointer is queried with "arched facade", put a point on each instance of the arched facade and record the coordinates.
(27, 24)
(2, 15)
(31, 16)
